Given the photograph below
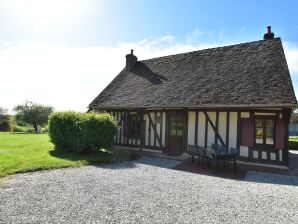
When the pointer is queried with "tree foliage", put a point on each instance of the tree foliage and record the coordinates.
(3, 111)
(33, 114)
(6, 121)
(294, 118)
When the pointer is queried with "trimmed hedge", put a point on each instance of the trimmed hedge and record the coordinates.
(81, 132)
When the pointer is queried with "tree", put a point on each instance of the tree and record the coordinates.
(294, 118)
(33, 113)
(3, 111)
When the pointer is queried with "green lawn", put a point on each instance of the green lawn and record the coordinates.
(293, 138)
(23, 152)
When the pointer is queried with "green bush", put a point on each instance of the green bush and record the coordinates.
(293, 145)
(7, 123)
(81, 132)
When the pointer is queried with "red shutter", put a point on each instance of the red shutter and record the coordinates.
(247, 131)
(280, 134)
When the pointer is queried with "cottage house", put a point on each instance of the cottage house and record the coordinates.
(237, 96)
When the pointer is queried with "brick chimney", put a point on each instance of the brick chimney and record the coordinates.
(130, 61)
(269, 35)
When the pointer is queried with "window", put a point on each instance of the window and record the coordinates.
(176, 126)
(264, 131)
(134, 126)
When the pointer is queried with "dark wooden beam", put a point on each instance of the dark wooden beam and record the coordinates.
(160, 126)
(149, 132)
(196, 128)
(238, 129)
(286, 116)
(214, 128)
(154, 130)
(185, 129)
(155, 115)
(143, 127)
(206, 131)
(117, 133)
(120, 123)
(122, 117)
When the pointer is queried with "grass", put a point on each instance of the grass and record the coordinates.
(293, 138)
(24, 152)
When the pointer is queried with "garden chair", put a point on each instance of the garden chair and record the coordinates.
(207, 156)
(233, 156)
(201, 154)
(192, 152)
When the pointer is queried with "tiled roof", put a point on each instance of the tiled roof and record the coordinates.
(249, 74)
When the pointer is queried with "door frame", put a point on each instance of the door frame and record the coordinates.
(184, 113)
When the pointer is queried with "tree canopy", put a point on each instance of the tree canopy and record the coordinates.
(33, 113)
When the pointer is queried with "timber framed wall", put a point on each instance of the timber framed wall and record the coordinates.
(223, 127)
(205, 127)
(153, 130)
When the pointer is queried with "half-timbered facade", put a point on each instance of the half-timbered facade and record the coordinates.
(238, 96)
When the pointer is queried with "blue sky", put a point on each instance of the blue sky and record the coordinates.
(65, 52)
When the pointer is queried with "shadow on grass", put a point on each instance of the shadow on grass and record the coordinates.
(91, 158)
(96, 157)
(31, 133)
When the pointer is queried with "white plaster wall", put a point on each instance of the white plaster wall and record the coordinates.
(233, 130)
(157, 129)
(146, 129)
(191, 127)
(280, 155)
(264, 113)
(255, 154)
(272, 156)
(222, 125)
(244, 114)
(152, 131)
(211, 134)
(201, 129)
(243, 151)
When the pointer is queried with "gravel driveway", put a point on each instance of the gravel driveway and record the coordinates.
(143, 191)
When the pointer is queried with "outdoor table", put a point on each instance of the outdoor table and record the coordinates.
(217, 155)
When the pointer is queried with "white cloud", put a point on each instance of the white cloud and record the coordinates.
(291, 52)
(242, 29)
(67, 77)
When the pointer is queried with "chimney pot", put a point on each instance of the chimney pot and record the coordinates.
(269, 35)
(130, 61)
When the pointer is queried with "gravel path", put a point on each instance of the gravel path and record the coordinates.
(143, 191)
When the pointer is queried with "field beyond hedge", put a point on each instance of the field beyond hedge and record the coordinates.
(23, 152)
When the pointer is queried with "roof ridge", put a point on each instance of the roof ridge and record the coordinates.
(212, 48)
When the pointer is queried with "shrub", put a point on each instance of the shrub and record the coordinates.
(81, 132)
(293, 145)
(7, 123)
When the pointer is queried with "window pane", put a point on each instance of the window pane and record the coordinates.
(269, 141)
(259, 139)
(179, 132)
(259, 131)
(173, 131)
(269, 132)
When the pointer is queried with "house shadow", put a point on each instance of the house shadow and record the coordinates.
(249, 173)
(142, 70)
